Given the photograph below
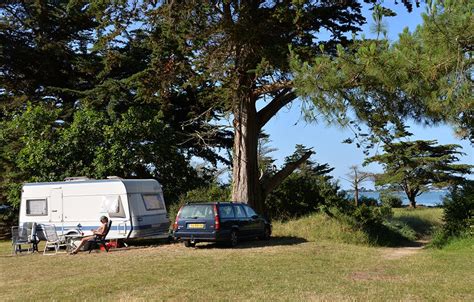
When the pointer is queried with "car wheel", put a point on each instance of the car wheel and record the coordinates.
(234, 238)
(188, 243)
(267, 233)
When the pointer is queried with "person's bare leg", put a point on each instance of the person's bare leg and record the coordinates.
(83, 242)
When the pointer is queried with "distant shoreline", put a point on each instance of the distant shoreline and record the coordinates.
(430, 198)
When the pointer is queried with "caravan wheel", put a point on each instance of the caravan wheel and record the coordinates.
(188, 243)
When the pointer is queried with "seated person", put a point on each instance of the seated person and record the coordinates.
(99, 232)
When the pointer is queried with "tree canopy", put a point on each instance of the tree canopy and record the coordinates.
(240, 50)
(416, 166)
(425, 75)
(74, 99)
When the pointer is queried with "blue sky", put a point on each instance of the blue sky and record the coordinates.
(288, 128)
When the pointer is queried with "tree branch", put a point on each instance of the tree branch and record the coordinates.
(270, 183)
(227, 13)
(285, 97)
(273, 87)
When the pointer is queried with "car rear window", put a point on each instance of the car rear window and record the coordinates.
(197, 211)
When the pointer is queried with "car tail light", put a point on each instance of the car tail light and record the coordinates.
(175, 225)
(217, 224)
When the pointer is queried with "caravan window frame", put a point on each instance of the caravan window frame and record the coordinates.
(28, 208)
(161, 201)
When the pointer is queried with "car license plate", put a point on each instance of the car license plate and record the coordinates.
(195, 225)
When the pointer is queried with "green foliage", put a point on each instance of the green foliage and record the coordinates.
(368, 201)
(211, 193)
(265, 161)
(318, 227)
(238, 52)
(134, 144)
(442, 240)
(79, 96)
(301, 194)
(459, 210)
(425, 75)
(390, 200)
(419, 165)
(377, 224)
(308, 189)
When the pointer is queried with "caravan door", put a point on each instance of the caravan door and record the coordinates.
(55, 204)
(117, 212)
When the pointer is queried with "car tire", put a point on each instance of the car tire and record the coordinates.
(234, 238)
(267, 233)
(188, 243)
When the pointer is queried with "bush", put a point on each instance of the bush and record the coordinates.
(213, 192)
(458, 215)
(301, 194)
(368, 217)
(441, 239)
(459, 209)
(8, 218)
(390, 200)
(368, 201)
(375, 223)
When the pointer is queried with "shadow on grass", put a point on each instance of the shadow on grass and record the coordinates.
(422, 227)
(381, 235)
(148, 242)
(404, 231)
(248, 244)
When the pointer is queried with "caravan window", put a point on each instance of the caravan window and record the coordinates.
(153, 202)
(113, 205)
(36, 207)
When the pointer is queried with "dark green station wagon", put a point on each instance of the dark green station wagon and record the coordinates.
(227, 222)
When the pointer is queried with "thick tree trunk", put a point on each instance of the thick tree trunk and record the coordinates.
(411, 198)
(411, 192)
(246, 185)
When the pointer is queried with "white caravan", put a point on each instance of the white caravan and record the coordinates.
(135, 206)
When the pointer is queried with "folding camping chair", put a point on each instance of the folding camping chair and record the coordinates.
(21, 236)
(97, 241)
(52, 240)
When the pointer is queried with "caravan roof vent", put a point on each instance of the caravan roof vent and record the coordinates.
(113, 177)
(77, 178)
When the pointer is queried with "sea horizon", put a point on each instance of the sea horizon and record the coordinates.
(428, 198)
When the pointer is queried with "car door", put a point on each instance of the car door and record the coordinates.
(243, 221)
(256, 224)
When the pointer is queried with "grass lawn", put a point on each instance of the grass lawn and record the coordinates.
(288, 267)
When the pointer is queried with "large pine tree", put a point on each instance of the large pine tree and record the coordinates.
(239, 51)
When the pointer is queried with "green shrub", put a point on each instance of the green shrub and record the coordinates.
(439, 239)
(458, 215)
(213, 192)
(390, 200)
(301, 194)
(368, 201)
(367, 217)
(459, 209)
(375, 223)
